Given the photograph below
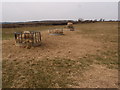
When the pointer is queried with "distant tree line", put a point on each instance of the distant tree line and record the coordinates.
(95, 20)
(49, 22)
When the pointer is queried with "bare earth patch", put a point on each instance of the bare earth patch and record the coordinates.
(71, 60)
(98, 76)
(69, 45)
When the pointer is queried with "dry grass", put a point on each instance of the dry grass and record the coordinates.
(103, 32)
(107, 34)
(62, 61)
(8, 33)
(43, 73)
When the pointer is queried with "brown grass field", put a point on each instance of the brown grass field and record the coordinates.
(84, 58)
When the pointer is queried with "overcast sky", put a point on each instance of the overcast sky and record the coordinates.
(27, 11)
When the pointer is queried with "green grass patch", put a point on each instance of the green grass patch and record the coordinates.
(42, 74)
(108, 58)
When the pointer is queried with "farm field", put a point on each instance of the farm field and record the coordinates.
(84, 58)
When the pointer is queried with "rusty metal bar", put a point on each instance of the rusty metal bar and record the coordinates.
(25, 38)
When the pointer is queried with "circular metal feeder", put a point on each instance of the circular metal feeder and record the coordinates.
(56, 32)
(70, 26)
(27, 39)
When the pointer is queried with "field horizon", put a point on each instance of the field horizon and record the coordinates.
(84, 58)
